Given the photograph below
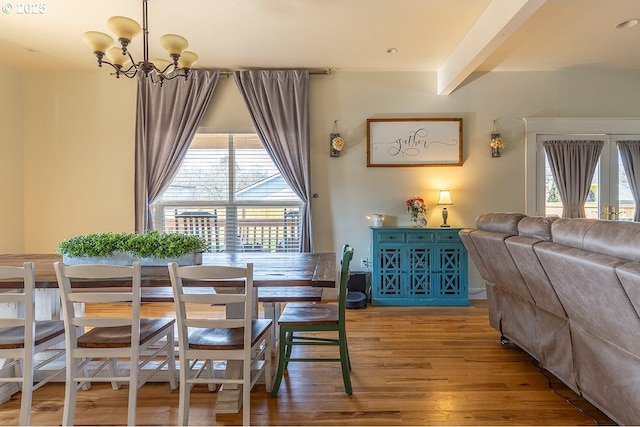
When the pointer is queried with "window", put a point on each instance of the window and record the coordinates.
(229, 191)
(610, 196)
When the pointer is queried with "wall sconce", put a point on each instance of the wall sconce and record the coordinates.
(444, 199)
(497, 143)
(336, 142)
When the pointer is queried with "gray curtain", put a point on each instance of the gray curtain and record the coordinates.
(278, 102)
(630, 155)
(573, 164)
(167, 119)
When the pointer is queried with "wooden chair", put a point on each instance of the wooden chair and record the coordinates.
(304, 318)
(22, 337)
(110, 337)
(201, 341)
(272, 299)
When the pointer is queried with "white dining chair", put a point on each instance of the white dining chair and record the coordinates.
(204, 340)
(139, 340)
(23, 337)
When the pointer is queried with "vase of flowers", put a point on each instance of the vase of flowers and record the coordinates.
(418, 211)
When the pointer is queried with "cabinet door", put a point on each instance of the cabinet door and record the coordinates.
(419, 267)
(389, 272)
(451, 271)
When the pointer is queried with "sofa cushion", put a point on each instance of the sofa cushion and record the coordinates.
(503, 223)
(614, 238)
(536, 227)
(571, 231)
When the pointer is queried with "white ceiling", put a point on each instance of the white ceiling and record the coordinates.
(453, 37)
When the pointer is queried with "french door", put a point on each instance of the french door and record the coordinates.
(609, 195)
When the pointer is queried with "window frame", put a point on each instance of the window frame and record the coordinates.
(231, 206)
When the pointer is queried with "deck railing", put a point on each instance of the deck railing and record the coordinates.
(237, 229)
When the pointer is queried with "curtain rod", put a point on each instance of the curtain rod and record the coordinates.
(322, 72)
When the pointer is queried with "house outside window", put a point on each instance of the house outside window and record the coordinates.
(229, 191)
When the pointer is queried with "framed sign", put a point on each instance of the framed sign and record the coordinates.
(414, 142)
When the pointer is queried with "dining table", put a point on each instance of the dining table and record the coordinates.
(270, 269)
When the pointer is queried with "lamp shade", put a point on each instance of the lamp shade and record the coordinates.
(97, 41)
(444, 198)
(174, 44)
(125, 28)
(116, 57)
(187, 59)
(162, 64)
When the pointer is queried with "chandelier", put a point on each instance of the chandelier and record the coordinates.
(123, 63)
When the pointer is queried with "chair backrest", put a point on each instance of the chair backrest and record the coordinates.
(347, 255)
(189, 316)
(104, 275)
(21, 297)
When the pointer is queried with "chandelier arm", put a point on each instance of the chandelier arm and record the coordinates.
(132, 70)
(127, 74)
(131, 59)
(159, 71)
(115, 67)
(119, 71)
(177, 74)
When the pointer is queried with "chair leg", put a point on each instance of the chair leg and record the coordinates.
(281, 361)
(346, 346)
(272, 311)
(133, 392)
(114, 373)
(185, 388)
(70, 392)
(211, 386)
(18, 369)
(246, 391)
(85, 373)
(289, 348)
(267, 360)
(345, 363)
(27, 390)
(171, 361)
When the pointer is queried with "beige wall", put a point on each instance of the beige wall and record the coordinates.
(79, 148)
(11, 162)
(78, 142)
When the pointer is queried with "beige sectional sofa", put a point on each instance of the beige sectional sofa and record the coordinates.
(567, 291)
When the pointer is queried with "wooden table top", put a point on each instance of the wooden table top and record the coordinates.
(269, 268)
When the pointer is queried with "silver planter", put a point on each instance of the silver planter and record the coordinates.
(125, 258)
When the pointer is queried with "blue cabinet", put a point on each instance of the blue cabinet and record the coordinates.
(418, 266)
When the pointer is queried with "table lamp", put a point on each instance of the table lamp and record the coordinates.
(444, 199)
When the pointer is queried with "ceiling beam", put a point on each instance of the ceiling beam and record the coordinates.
(499, 20)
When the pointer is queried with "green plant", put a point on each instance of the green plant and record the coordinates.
(153, 243)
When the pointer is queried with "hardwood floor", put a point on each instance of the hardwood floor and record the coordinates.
(410, 366)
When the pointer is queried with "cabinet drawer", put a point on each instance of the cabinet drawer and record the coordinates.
(448, 236)
(391, 237)
(420, 237)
